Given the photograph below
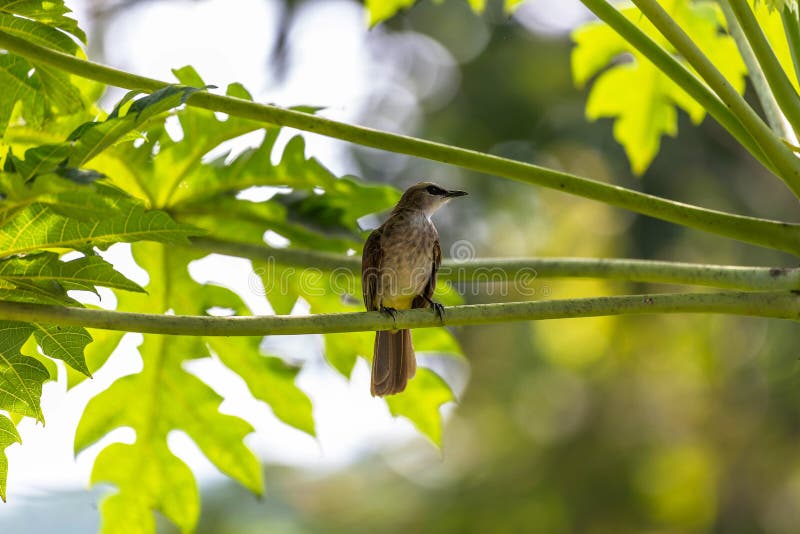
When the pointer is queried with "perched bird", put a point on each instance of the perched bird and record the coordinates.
(398, 272)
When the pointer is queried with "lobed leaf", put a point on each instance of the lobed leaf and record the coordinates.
(21, 377)
(41, 90)
(421, 401)
(8, 436)
(90, 139)
(64, 343)
(37, 227)
(81, 273)
(269, 379)
(164, 398)
(52, 13)
(641, 99)
(381, 10)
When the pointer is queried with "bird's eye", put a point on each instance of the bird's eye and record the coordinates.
(433, 190)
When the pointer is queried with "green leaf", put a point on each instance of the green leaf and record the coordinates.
(8, 436)
(37, 33)
(425, 393)
(52, 13)
(17, 87)
(96, 354)
(145, 475)
(321, 212)
(420, 403)
(81, 273)
(37, 227)
(640, 98)
(269, 379)
(21, 376)
(380, 10)
(64, 343)
(92, 138)
(164, 397)
(37, 91)
(778, 5)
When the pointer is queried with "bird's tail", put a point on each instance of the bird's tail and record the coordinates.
(393, 364)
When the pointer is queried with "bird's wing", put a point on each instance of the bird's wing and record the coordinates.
(430, 287)
(371, 261)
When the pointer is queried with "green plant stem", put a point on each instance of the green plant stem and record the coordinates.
(778, 81)
(773, 234)
(783, 305)
(791, 26)
(679, 74)
(765, 96)
(527, 270)
(787, 164)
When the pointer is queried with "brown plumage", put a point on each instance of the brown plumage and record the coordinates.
(398, 272)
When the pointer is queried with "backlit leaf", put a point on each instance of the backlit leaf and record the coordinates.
(641, 99)
(38, 227)
(64, 343)
(21, 376)
(421, 401)
(81, 273)
(8, 436)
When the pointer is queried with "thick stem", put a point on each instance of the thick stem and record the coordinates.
(791, 25)
(765, 96)
(773, 234)
(773, 71)
(678, 73)
(524, 271)
(784, 305)
(783, 158)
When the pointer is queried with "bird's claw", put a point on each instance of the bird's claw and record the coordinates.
(391, 311)
(439, 310)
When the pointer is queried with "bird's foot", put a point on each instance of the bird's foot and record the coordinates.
(392, 313)
(438, 307)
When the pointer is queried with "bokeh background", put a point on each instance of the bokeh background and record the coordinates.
(609, 425)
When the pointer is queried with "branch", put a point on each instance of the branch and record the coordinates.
(765, 95)
(791, 25)
(678, 73)
(785, 161)
(773, 71)
(783, 305)
(526, 270)
(767, 233)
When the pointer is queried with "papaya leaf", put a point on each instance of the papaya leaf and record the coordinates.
(89, 139)
(96, 354)
(381, 10)
(778, 5)
(81, 273)
(425, 393)
(37, 32)
(164, 397)
(42, 90)
(421, 401)
(85, 202)
(52, 13)
(64, 343)
(21, 376)
(8, 436)
(269, 379)
(641, 99)
(37, 227)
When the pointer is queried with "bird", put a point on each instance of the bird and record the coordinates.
(398, 272)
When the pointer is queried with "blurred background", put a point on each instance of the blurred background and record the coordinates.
(608, 425)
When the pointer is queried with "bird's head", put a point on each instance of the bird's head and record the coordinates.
(427, 197)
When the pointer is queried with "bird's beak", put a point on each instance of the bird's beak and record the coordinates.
(453, 194)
